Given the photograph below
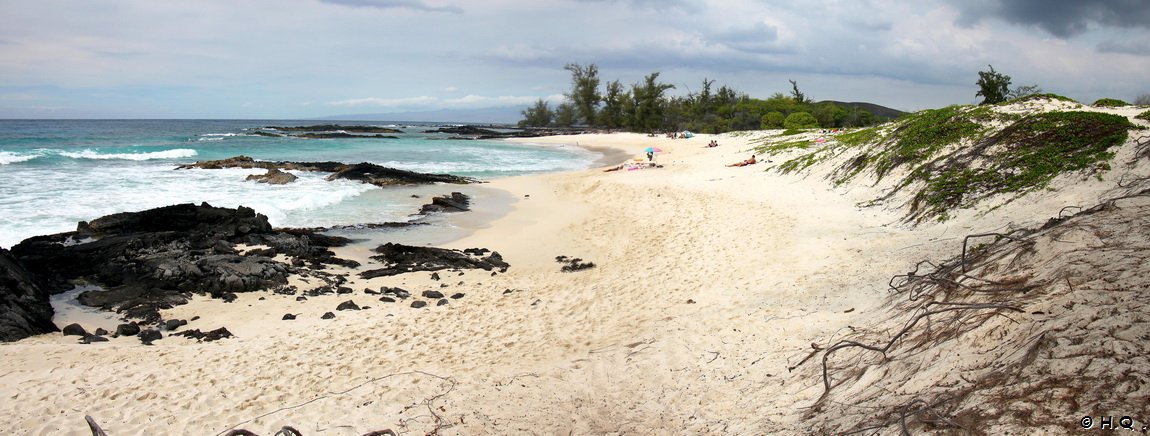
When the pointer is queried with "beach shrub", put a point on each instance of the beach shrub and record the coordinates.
(772, 120)
(771, 149)
(801, 120)
(921, 135)
(1021, 158)
(1109, 102)
(1143, 116)
(858, 137)
(1033, 97)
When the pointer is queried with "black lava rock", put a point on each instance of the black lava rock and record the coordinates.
(149, 335)
(75, 330)
(173, 324)
(127, 330)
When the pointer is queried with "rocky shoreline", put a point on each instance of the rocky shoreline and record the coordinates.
(156, 259)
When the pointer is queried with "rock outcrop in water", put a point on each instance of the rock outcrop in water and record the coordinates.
(274, 176)
(24, 307)
(157, 258)
(364, 172)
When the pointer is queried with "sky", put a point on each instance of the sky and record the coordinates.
(291, 59)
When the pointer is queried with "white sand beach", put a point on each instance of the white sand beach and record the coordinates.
(709, 283)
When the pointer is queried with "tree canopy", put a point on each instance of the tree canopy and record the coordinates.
(646, 107)
(993, 87)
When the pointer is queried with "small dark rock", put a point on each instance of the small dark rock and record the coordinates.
(432, 294)
(213, 335)
(301, 298)
(441, 302)
(127, 330)
(347, 305)
(327, 315)
(343, 290)
(173, 324)
(418, 304)
(397, 292)
(386, 299)
(149, 335)
(435, 276)
(288, 316)
(93, 338)
(101, 332)
(229, 297)
(457, 295)
(369, 291)
(74, 330)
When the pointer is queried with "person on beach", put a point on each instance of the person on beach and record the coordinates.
(750, 161)
(713, 143)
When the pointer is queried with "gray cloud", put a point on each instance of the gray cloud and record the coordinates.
(660, 5)
(760, 38)
(1125, 47)
(1061, 18)
(394, 4)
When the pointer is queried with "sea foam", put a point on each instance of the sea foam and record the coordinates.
(7, 157)
(166, 154)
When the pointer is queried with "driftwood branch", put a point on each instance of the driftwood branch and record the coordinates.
(883, 349)
(96, 430)
(967, 239)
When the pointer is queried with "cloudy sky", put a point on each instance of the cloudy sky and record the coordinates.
(313, 58)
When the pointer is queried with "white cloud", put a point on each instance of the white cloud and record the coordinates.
(429, 102)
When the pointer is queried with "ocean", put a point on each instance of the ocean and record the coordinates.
(55, 173)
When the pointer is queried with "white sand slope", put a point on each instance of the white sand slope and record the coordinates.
(710, 282)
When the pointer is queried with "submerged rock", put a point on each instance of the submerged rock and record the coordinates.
(274, 176)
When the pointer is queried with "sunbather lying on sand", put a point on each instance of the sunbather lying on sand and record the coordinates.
(750, 161)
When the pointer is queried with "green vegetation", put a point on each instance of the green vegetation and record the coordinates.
(958, 156)
(923, 134)
(1143, 116)
(1109, 102)
(1033, 97)
(801, 120)
(645, 107)
(993, 86)
(1021, 158)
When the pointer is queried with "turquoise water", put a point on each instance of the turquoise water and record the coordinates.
(54, 173)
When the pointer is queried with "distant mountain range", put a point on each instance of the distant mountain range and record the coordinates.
(489, 115)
